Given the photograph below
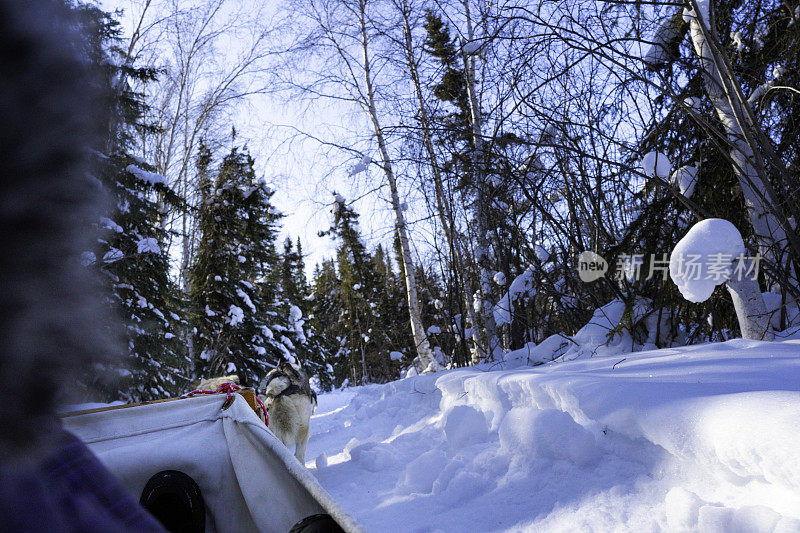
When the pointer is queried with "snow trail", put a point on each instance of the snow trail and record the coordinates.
(698, 438)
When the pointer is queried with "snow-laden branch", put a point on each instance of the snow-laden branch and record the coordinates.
(712, 254)
(668, 35)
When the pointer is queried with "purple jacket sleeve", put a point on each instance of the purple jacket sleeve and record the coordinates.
(69, 491)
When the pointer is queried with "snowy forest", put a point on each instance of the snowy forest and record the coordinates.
(400, 265)
(506, 143)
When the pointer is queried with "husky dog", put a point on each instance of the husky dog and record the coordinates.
(290, 401)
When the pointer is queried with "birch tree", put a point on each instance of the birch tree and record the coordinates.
(612, 36)
(444, 210)
(488, 343)
(751, 156)
(333, 21)
(202, 79)
(424, 351)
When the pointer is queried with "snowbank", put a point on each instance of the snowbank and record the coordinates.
(698, 438)
(608, 332)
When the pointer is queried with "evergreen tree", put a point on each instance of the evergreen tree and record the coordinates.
(362, 327)
(288, 275)
(238, 324)
(132, 255)
(303, 287)
(133, 258)
(761, 53)
(310, 347)
(455, 136)
(452, 85)
(453, 122)
(332, 360)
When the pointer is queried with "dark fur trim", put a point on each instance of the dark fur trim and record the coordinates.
(51, 317)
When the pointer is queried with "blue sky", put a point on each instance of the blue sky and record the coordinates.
(302, 172)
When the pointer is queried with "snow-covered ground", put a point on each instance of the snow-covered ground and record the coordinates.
(699, 438)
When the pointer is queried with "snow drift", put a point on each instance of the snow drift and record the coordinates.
(697, 438)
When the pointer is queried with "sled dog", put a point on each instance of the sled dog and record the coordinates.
(290, 401)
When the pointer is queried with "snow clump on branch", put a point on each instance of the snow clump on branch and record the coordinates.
(541, 253)
(693, 103)
(150, 177)
(361, 166)
(235, 315)
(148, 245)
(704, 257)
(472, 47)
(685, 178)
(656, 164)
(703, 7)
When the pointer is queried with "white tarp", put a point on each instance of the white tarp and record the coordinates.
(249, 479)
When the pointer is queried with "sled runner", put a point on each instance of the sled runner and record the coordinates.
(221, 467)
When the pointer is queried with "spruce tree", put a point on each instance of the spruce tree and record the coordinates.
(133, 258)
(453, 121)
(132, 254)
(324, 322)
(288, 276)
(364, 326)
(238, 327)
(309, 345)
(455, 136)
(392, 308)
(303, 287)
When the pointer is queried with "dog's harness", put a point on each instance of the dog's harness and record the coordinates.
(229, 389)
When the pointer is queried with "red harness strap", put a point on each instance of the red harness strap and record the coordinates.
(229, 388)
(263, 409)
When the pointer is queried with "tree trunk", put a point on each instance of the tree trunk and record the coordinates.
(490, 345)
(747, 298)
(750, 308)
(424, 351)
(444, 212)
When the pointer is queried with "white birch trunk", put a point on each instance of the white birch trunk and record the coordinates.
(750, 308)
(444, 212)
(478, 351)
(417, 329)
(747, 298)
(490, 346)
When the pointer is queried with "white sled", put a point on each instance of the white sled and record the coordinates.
(248, 479)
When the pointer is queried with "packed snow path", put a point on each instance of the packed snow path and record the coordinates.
(700, 438)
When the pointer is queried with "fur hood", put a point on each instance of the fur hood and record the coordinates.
(51, 316)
